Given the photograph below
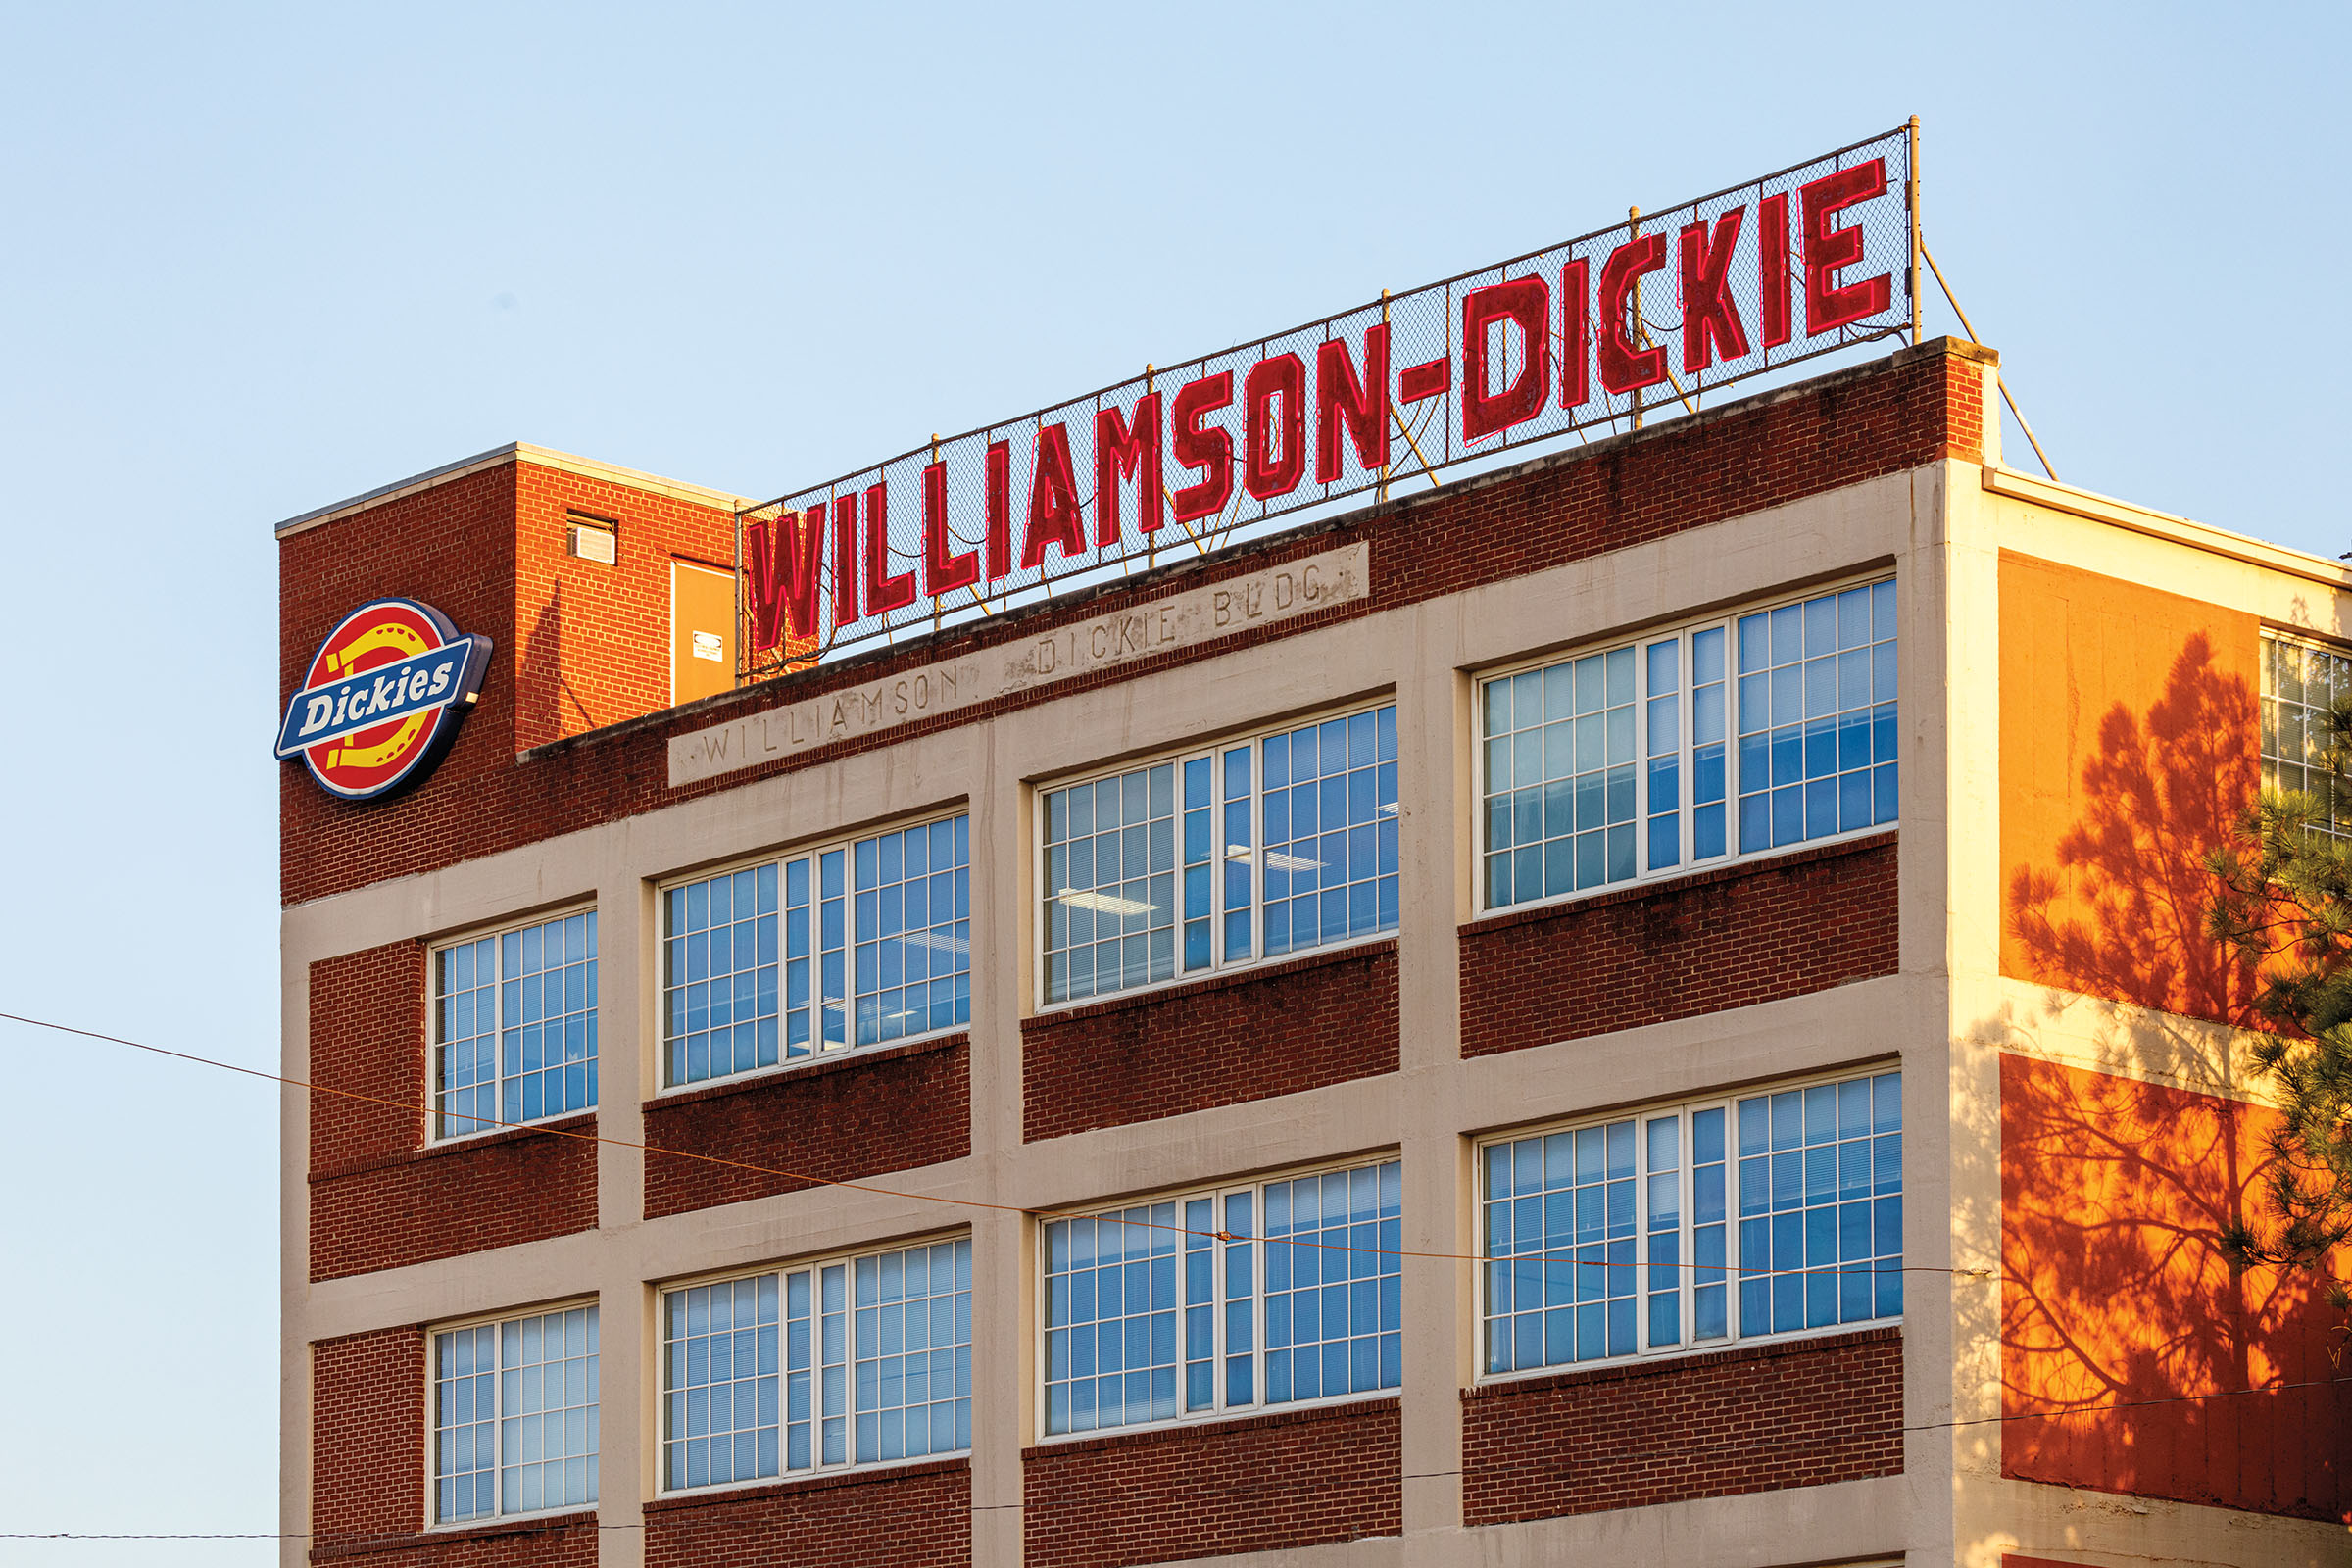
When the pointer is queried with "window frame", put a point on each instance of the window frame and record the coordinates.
(433, 1042)
(1216, 1192)
(812, 851)
(814, 1265)
(1639, 642)
(498, 1320)
(1641, 1116)
(2265, 731)
(1253, 736)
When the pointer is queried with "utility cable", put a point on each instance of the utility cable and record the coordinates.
(1049, 1214)
(1684, 1449)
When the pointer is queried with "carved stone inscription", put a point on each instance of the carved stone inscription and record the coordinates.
(1183, 621)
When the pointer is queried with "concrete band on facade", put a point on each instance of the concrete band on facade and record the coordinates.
(1902, 946)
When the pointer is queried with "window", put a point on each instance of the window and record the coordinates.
(1193, 1308)
(851, 945)
(1278, 844)
(2300, 687)
(1619, 1239)
(858, 1360)
(514, 1027)
(514, 1415)
(1640, 760)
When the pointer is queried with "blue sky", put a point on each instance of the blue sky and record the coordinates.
(253, 260)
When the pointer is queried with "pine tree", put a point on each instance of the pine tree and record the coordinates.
(2284, 908)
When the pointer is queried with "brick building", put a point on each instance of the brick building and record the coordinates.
(1644, 1007)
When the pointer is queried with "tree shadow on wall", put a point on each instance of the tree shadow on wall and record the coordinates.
(2122, 915)
(2118, 1185)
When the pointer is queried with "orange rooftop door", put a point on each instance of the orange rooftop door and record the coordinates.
(702, 631)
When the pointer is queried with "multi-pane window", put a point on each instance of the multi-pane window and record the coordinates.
(849, 944)
(514, 1027)
(2300, 687)
(1682, 747)
(1251, 851)
(514, 1415)
(1702, 1223)
(859, 1360)
(1242, 1299)
(1817, 730)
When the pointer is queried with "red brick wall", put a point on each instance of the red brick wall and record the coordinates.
(862, 1115)
(369, 1462)
(592, 642)
(367, 1037)
(1322, 1019)
(1301, 1478)
(1882, 417)
(451, 547)
(379, 1196)
(498, 1190)
(1726, 938)
(367, 1437)
(916, 1517)
(562, 1541)
(578, 645)
(1801, 1413)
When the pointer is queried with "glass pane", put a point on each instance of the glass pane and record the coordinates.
(2299, 751)
(1330, 816)
(1813, 1159)
(1815, 679)
(1333, 1283)
(911, 964)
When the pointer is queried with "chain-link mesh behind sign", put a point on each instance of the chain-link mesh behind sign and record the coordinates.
(1646, 318)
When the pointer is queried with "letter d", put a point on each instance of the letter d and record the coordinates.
(317, 712)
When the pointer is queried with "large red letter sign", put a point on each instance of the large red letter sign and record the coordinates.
(1575, 333)
(942, 571)
(1710, 321)
(998, 506)
(1207, 448)
(1772, 270)
(1828, 305)
(845, 558)
(1052, 501)
(1273, 470)
(1753, 280)
(1526, 304)
(1624, 367)
(782, 562)
(1346, 404)
(883, 592)
(1124, 453)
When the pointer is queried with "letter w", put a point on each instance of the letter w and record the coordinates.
(781, 562)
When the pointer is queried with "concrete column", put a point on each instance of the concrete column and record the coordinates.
(1001, 1264)
(1433, 786)
(628, 997)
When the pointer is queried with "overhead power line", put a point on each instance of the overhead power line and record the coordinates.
(1680, 1448)
(415, 1108)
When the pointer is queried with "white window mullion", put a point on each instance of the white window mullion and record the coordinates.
(1687, 828)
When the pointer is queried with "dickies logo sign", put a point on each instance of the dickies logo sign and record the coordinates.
(382, 699)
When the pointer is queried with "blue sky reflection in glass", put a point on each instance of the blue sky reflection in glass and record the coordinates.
(1817, 718)
(1328, 803)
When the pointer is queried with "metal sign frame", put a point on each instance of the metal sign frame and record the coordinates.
(1601, 333)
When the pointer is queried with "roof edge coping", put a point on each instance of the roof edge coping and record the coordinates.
(2205, 536)
(515, 452)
